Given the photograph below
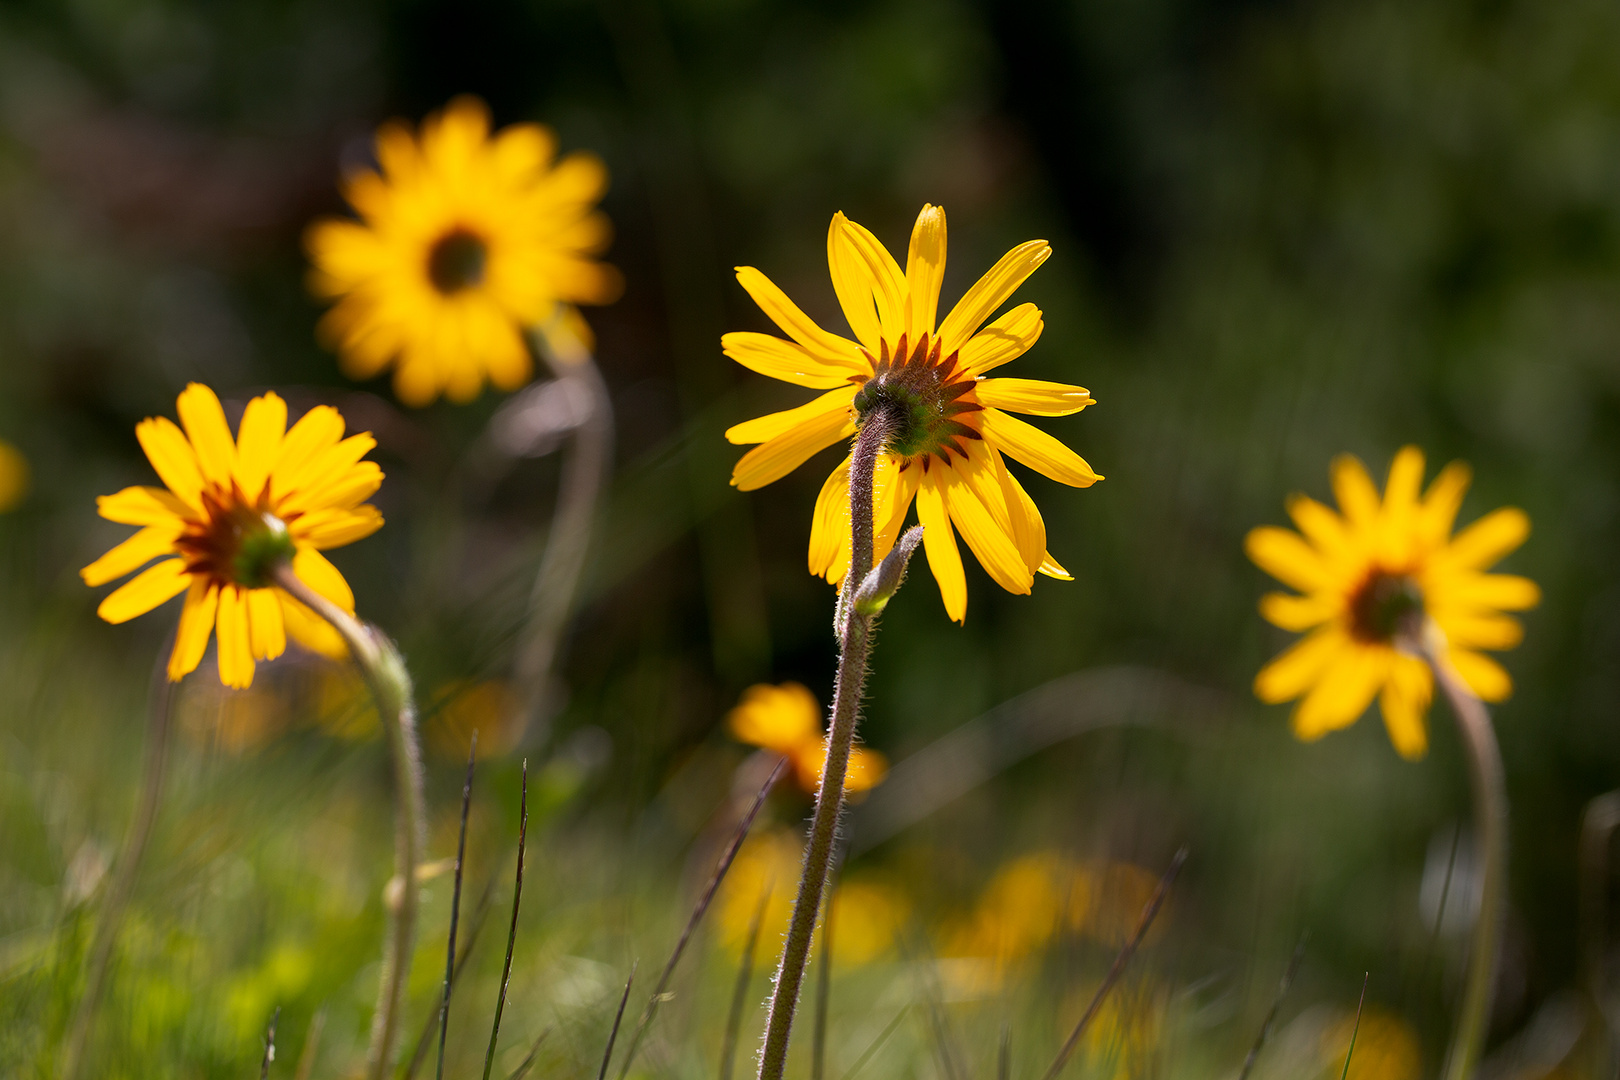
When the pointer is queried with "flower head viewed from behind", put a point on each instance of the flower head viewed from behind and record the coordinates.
(946, 453)
(1368, 570)
(231, 511)
(464, 240)
(786, 720)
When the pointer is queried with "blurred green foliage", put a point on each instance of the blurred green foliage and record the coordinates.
(1283, 230)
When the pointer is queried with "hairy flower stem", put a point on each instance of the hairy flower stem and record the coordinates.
(1490, 829)
(857, 629)
(390, 684)
(584, 472)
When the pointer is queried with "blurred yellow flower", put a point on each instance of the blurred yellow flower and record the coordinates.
(13, 477)
(1386, 1047)
(866, 913)
(949, 458)
(1365, 569)
(463, 241)
(489, 708)
(231, 510)
(786, 720)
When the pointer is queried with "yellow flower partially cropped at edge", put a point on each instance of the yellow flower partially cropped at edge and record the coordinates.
(786, 720)
(464, 240)
(231, 510)
(948, 457)
(1361, 572)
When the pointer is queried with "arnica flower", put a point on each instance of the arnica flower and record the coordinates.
(1367, 570)
(786, 720)
(231, 511)
(948, 454)
(464, 240)
(13, 477)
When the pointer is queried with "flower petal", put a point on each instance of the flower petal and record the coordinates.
(316, 431)
(155, 585)
(788, 360)
(1499, 592)
(1480, 630)
(1487, 540)
(1358, 499)
(852, 284)
(777, 718)
(172, 458)
(331, 528)
(264, 423)
(1298, 667)
(1008, 338)
(925, 270)
(310, 630)
(266, 632)
(204, 421)
(1300, 613)
(235, 654)
(1404, 703)
(1347, 687)
(144, 506)
(135, 552)
(768, 427)
(829, 526)
(939, 542)
(774, 459)
(196, 624)
(886, 282)
(990, 543)
(990, 292)
(1442, 501)
(795, 323)
(1483, 675)
(314, 570)
(1323, 528)
(1033, 396)
(1033, 447)
(1288, 558)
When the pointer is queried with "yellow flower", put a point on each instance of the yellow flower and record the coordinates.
(230, 512)
(463, 241)
(949, 456)
(13, 477)
(1386, 1046)
(787, 720)
(1365, 569)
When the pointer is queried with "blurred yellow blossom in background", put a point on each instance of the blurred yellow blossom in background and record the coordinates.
(14, 477)
(786, 720)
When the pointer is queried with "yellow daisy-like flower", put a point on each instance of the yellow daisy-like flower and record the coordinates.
(948, 455)
(786, 720)
(1362, 572)
(464, 240)
(231, 511)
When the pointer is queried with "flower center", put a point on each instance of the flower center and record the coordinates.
(456, 261)
(1382, 604)
(237, 543)
(916, 393)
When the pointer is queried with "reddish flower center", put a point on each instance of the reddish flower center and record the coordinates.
(235, 543)
(456, 261)
(1382, 604)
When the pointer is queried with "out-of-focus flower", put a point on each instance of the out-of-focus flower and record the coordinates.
(233, 721)
(1367, 569)
(464, 240)
(343, 706)
(13, 477)
(1386, 1047)
(948, 456)
(489, 708)
(867, 913)
(231, 511)
(786, 720)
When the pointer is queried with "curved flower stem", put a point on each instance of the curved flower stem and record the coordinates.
(857, 630)
(122, 886)
(1490, 828)
(390, 685)
(568, 543)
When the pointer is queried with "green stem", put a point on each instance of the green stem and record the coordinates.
(390, 684)
(1490, 832)
(858, 628)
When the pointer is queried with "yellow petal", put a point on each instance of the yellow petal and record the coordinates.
(1008, 338)
(925, 270)
(1404, 703)
(990, 543)
(765, 428)
(893, 490)
(1289, 559)
(990, 292)
(144, 506)
(887, 283)
(1404, 481)
(326, 529)
(1478, 630)
(235, 654)
(1322, 527)
(1029, 531)
(852, 284)
(1500, 592)
(939, 543)
(777, 718)
(788, 361)
(196, 624)
(264, 423)
(344, 491)
(137, 551)
(316, 431)
(204, 421)
(1347, 687)
(776, 458)
(1033, 396)
(1033, 447)
(795, 323)
(1484, 542)
(1299, 613)
(1483, 675)
(314, 570)
(1358, 499)
(172, 458)
(155, 585)
(310, 630)
(1442, 501)
(266, 632)
(1053, 569)
(829, 526)
(1298, 667)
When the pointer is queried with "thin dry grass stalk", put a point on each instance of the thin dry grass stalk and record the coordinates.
(455, 904)
(739, 992)
(269, 1045)
(613, 1035)
(511, 933)
(1276, 1003)
(1357, 1028)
